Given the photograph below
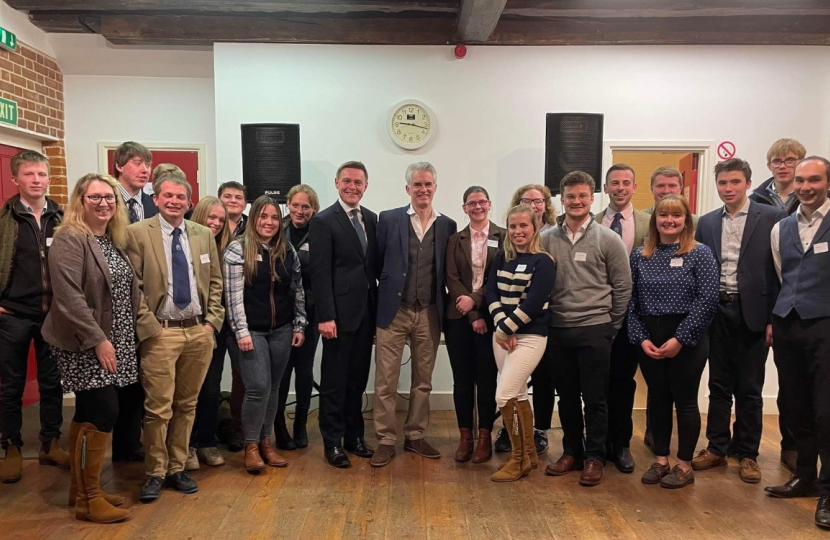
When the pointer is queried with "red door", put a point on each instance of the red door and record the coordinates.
(688, 167)
(187, 161)
(7, 191)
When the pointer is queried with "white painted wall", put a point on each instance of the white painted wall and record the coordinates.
(18, 23)
(491, 109)
(145, 109)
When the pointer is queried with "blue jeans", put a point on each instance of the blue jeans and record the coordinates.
(261, 370)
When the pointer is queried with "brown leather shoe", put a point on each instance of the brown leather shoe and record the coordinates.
(592, 473)
(269, 455)
(422, 448)
(11, 469)
(465, 445)
(383, 455)
(563, 465)
(253, 461)
(706, 460)
(484, 448)
(750, 472)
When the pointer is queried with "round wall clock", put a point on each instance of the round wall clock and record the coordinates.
(412, 124)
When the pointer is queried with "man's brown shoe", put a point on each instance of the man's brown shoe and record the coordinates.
(706, 460)
(678, 478)
(422, 448)
(11, 470)
(750, 472)
(563, 465)
(383, 455)
(655, 473)
(269, 455)
(592, 474)
(484, 447)
(465, 446)
(789, 459)
(52, 454)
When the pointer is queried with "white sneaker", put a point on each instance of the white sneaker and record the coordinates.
(192, 462)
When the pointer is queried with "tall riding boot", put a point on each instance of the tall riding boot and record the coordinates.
(519, 463)
(89, 459)
(526, 413)
(284, 440)
(74, 431)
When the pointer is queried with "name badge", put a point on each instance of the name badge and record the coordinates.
(493, 243)
(676, 262)
(49, 243)
(580, 256)
(205, 258)
(304, 247)
(821, 247)
(259, 258)
(521, 268)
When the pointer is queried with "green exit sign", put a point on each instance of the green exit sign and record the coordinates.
(8, 111)
(7, 39)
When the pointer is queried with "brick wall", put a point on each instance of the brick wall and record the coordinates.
(35, 82)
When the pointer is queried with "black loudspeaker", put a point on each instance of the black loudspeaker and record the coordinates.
(270, 159)
(573, 142)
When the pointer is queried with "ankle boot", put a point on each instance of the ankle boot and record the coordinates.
(526, 413)
(88, 461)
(253, 461)
(269, 455)
(11, 470)
(300, 433)
(52, 454)
(519, 463)
(465, 445)
(484, 447)
(284, 440)
(74, 431)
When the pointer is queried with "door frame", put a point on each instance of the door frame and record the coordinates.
(199, 148)
(706, 192)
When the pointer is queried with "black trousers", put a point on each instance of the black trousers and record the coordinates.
(737, 360)
(16, 335)
(802, 348)
(785, 415)
(543, 390)
(621, 390)
(344, 373)
(581, 362)
(301, 362)
(126, 434)
(673, 383)
(474, 372)
(98, 407)
(206, 421)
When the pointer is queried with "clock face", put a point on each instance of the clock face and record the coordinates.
(412, 125)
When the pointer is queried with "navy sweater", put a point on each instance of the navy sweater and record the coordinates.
(518, 292)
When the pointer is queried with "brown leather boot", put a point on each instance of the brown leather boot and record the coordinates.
(52, 454)
(592, 473)
(74, 431)
(253, 461)
(91, 505)
(526, 412)
(484, 447)
(519, 463)
(465, 445)
(11, 470)
(269, 455)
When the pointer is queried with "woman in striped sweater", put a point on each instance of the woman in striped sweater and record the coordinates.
(520, 282)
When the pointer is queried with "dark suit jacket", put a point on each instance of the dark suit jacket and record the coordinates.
(150, 208)
(393, 254)
(757, 283)
(460, 269)
(341, 274)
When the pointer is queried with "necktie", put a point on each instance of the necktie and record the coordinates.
(181, 275)
(359, 230)
(616, 225)
(133, 204)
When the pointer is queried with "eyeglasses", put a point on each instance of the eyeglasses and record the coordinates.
(534, 202)
(96, 199)
(472, 204)
(582, 197)
(789, 162)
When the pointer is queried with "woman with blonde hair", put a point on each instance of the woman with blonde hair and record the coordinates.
(520, 282)
(91, 327)
(674, 296)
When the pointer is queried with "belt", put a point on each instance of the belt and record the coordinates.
(728, 298)
(181, 323)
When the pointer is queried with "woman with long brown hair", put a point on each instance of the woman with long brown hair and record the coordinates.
(266, 312)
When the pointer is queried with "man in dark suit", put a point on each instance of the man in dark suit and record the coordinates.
(740, 335)
(131, 165)
(412, 297)
(342, 251)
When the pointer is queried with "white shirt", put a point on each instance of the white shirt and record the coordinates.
(732, 232)
(575, 236)
(168, 310)
(348, 209)
(806, 230)
(627, 224)
(416, 221)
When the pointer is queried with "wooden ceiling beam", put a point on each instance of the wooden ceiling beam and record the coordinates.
(249, 6)
(477, 19)
(66, 23)
(664, 8)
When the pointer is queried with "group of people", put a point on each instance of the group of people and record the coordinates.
(133, 307)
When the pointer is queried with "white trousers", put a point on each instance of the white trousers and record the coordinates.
(515, 367)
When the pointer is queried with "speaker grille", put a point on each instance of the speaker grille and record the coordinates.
(270, 159)
(573, 142)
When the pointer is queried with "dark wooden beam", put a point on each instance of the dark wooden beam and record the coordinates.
(66, 23)
(477, 19)
(664, 8)
(250, 6)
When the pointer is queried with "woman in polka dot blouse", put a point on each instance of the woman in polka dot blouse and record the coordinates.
(673, 300)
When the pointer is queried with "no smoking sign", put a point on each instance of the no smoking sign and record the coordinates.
(726, 150)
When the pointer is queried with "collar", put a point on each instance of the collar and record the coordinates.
(435, 213)
(126, 195)
(22, 208)
(744, 209)
(772, 189)
(582, 226)
(167, 228)
(485, 231)
(346, 207)
(820, 213)
(627, 212)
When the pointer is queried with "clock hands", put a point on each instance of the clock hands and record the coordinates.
(410, 124)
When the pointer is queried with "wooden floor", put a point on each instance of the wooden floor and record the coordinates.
(416, 498)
